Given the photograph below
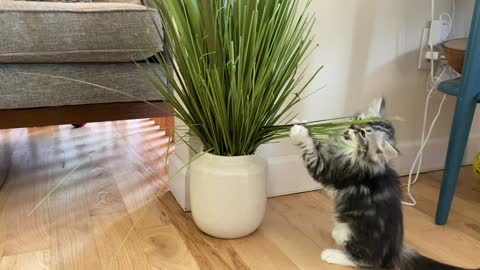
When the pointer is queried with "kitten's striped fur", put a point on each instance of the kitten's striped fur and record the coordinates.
(366, 192)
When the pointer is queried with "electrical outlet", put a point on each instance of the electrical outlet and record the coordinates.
(435, 33)
(430, 56)
(439, 31)
(445, 31)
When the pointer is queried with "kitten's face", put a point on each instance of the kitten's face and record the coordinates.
(372, 142)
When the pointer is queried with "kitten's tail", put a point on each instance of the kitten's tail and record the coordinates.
(412, 260)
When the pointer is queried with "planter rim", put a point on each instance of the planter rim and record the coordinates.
(227, 158)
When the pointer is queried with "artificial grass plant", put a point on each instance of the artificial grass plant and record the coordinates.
(236, 76)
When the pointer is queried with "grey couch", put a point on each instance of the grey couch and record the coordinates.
(91, 41)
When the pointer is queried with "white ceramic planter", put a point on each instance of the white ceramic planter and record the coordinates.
(228, 194)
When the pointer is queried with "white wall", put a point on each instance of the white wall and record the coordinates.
(462, 22)
(370, 48)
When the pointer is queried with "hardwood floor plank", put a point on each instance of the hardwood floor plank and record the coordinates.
(467, 195)
(72, 244)
(463, 215)
(443, 243)
(3, 232)
(311, 213)
(6, 152)
(209, 252)
(139, 177)
(293, 242)
(110, 232)
(259, 253)
(8, 262)
(103, 195)
(165, 249)
(23, 232)
(468, 184)
(137, 193)
(36, 260)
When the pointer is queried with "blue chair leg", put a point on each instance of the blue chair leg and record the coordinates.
(462, 123)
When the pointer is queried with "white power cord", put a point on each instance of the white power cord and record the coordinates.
(417, 163)
(453, 18)
(424, 140)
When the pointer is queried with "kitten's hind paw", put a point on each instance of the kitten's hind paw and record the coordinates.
(299, 134)
(335, 256)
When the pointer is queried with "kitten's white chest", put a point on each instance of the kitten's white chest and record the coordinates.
(341, 233)
(331, 192)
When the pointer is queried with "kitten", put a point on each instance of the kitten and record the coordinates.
(367, 196)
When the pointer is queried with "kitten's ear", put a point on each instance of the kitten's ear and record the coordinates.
(377, 108)
(389, 151)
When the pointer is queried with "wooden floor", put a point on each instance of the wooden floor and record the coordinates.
(115, 211)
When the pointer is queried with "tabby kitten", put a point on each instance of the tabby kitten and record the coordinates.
(366, 192)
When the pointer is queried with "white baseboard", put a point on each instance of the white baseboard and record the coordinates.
(287, 174)
(179, 179)
(434, 154)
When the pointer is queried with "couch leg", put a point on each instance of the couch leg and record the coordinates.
(79, 125)
(167, 123)
(3, 179)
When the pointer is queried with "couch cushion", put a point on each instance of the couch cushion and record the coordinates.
(53, 32)
(18, 90)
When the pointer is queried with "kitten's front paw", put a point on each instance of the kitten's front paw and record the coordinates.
(299, 134)
(298, 122)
